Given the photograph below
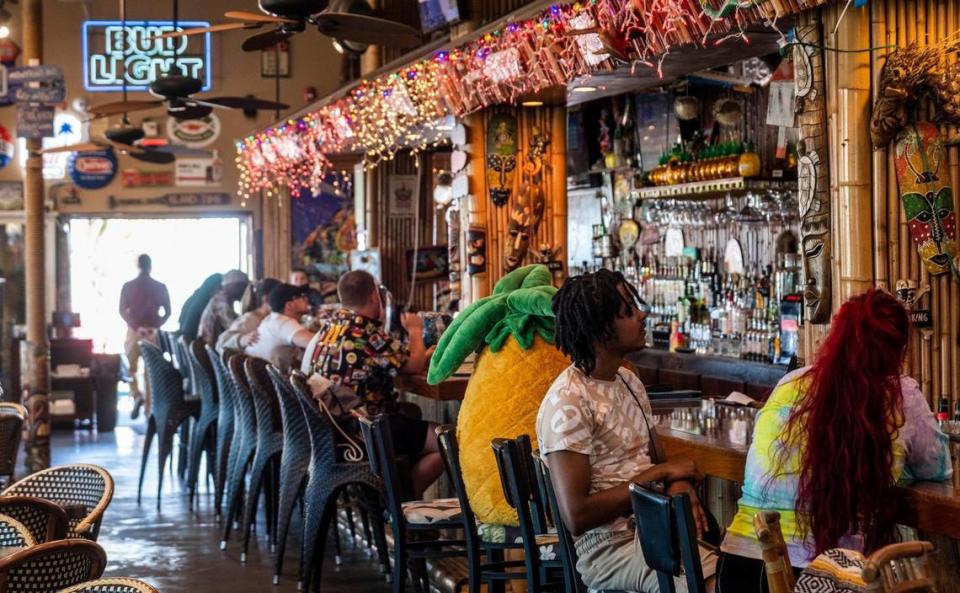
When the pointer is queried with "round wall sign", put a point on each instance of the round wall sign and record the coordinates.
(195, 133)
(6, 147)
(93, 170)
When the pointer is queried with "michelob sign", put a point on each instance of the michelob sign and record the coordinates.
(112, 53)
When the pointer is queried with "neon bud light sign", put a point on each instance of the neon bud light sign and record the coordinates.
(112, 52)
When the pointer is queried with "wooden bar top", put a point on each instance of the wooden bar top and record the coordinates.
(929, 506)
(452, 389)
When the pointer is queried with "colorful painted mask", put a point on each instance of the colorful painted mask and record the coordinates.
(927, 197)
(501, 156)
(528, 210)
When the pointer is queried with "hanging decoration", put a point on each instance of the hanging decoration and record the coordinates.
(501, 156)
(405, 108)
(927, 196)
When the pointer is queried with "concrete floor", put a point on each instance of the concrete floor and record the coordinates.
(177, 550)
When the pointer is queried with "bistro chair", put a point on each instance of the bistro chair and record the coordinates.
(205, 430)
(244, 443)
(266, 461)
(409, 519)
(181, 360)
(112, 585)
(668, 538)
(14, 534)
(776, 560)
(901, 568)
(567, 549)
(328, 477)
(294, 463)
(83, 491)
(168, 411)
(46, 520)
(12, 416)
(539, 546)
(51, 567)
(225, 424)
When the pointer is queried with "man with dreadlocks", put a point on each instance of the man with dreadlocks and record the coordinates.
(595, 434)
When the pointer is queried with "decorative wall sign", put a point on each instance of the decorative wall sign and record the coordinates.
(35, 122)
(195, 133)
(92, 170)
(476, 251)
(68, 129)
(501, 156)
(432, 262)
(200, 172)
(177, 200)
(64, 194)
(11, 195)
(813, 174)
(924, 182)
(36, 84)
(402, 190)
(7, 147)
(112, 53)
(273, 58)
(138, 178)
(909, 295)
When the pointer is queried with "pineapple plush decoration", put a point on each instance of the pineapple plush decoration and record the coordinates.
(513, 332)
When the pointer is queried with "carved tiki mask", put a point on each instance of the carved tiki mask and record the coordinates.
(927, 197)
(524, 220)
(501, 156)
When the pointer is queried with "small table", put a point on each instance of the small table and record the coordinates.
(451, 389)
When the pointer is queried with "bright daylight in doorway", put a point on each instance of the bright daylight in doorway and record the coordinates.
(103, 255)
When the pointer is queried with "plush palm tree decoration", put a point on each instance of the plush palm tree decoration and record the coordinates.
(513, 331)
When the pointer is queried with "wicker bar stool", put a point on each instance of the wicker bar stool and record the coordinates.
(84, 491)
(294, 463)
(50, 567)
(205, 430)
(244, 444)
(225, 424)
(264, 474)
(168, 411)
(46, 520)
(112, 585)
(12, 416)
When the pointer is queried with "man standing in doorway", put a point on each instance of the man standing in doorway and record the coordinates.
(145, 306)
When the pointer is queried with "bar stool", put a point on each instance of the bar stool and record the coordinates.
(205, 429)
(225, 422)
(244, 444)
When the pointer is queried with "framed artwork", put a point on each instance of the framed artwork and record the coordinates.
(11, 195)
(476, 251)
(275, 58)
(403, 193)
(367, 260)
(431, 262)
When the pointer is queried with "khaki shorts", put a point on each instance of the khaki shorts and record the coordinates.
(612, 561)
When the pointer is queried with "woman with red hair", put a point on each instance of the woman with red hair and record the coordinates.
(831, 443)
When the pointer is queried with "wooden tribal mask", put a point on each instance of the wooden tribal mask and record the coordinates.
(528, 209)
(501, 156)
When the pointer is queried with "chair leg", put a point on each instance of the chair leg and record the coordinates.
(147, 441)
(314, 500)
(290, 488)
(195, 455)
(328, 517)
(234, 496)
(257, 475)
(221, 470)
(399, 573)
(165, 435)
(473, 570)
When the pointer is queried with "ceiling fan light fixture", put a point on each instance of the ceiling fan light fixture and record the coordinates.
(336, 46)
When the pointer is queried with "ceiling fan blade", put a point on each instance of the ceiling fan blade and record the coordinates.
(157, 157)
(212, 29)
(118, 107)
(366, 29)
(265, 40)
(250, 103)
(257, 17)
(83, 147)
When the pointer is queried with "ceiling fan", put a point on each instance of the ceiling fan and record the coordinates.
(122, 138)
(344, 20)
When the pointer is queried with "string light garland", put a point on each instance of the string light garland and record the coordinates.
(405, 109)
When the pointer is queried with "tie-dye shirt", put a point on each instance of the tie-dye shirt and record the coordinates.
(921, 451)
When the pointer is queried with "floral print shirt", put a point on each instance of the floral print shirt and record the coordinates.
(355, 352)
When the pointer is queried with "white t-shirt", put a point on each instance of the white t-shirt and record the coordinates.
(276, 341)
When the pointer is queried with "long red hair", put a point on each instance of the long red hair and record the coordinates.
(846, 422)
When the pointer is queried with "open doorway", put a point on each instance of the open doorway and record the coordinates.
(103, 256)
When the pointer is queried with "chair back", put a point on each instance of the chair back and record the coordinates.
(112, 585)
(12, 416)
(668, 537)
(14, 534)
(901, 568)
(264, 394)
(245, 414)
(450, 453)
(225, 390)
(515, 481)
(295, 430)
(325, 432)
(50, 567)
(383, 462)
(46, 520)
(780, 577)
(166, 383)
(83, 490)
(202, 375)
(568, 549)
(181, 360)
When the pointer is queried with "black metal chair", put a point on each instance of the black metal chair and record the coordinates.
(495, 569)
(50, 567)
(328, 477)
(409, 518)
(540, 547)
(46, 520)
(265, 471)
(225, 424)
(205, 430)
(668, 538)
(168, 411)
(568, 551)
(294, 463)
(12, 416)
(244, 443)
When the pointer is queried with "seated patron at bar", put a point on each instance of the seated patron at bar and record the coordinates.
(595, 432)
(219, 313)
(355, 353)
(831, 443)
(243, 331)
(280, 337)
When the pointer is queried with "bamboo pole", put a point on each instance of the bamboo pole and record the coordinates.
(477, 203)
(880, 173)
(558, 158)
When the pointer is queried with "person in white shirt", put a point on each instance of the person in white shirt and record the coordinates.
(281, 338)
(243, 331)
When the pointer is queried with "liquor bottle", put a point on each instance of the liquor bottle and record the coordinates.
(943, 412)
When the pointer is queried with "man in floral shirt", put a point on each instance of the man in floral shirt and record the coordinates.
(355, 353)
